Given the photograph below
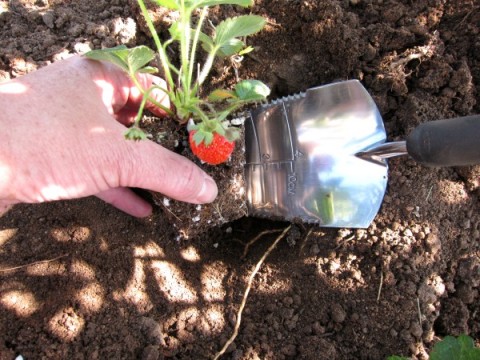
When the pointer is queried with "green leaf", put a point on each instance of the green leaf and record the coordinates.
(231, 47)
(221, 94)
(217, 127)
(170, 4)
(148, 70)
(138, 57)
(135, 133)
(395, 357)
(461, 348)
(247, 50)
(201, 136)
(251, 90)
(200, 3)
(236, 27)
(116, 55)
(175, 31)
(207, 42)
(185, 105)
(208, 138)
(130, 60)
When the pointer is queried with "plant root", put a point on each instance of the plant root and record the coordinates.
(380, 286)
(34, 263)
(247, 290)
(255, 239)
(304, 241)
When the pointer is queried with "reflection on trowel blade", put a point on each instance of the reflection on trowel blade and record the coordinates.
(301, 161)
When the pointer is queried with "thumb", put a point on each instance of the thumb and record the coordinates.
(126, 200)
(152, 167)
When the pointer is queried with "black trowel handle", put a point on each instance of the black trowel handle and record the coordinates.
(451, 142)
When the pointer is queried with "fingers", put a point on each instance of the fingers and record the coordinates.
(150, 166)
(121, 96)
(127, 201)
(158, 95)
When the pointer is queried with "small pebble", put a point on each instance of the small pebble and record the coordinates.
(337, 313)
(49, 19)
(416, 330)
(314, 250)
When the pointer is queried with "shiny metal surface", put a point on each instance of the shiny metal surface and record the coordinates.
(381, 152)
(301, 161)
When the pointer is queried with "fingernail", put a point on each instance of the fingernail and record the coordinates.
(209, 190)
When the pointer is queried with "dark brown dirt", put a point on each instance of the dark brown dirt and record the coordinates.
(118, 287)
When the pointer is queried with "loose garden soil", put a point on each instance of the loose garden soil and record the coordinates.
(81, 280)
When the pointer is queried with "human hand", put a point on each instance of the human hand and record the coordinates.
(62, 138)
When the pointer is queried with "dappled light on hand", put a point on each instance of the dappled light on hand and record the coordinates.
(13, 88)
(54, 192)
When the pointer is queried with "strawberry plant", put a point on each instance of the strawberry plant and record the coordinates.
(206, 115)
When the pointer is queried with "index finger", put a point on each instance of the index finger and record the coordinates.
(159, 104)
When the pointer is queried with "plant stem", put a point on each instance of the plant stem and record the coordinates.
(146, 96)
(161, 51)
(207, 66)
(185, 16)
(195, 42)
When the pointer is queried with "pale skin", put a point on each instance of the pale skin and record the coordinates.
(63, 138)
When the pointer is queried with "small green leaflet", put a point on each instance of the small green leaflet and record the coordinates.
(202, 136)
(245, 51)
(461, 348)
(175, 4)
(200, 3)
(116, 55)
(221, 94)
(227, 33)
(138, 57)
(130, 60)
(231, 47)
(135, 133)
(148, 70)
(237, 27)
(170, 4)
(176, 31)
(251, 90)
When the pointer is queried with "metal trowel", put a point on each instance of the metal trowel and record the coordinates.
(321, 156)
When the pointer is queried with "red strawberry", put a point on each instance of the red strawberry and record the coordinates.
(217, 151)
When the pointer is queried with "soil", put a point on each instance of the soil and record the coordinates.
(80, 279)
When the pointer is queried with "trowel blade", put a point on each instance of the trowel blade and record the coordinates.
(300, 157)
